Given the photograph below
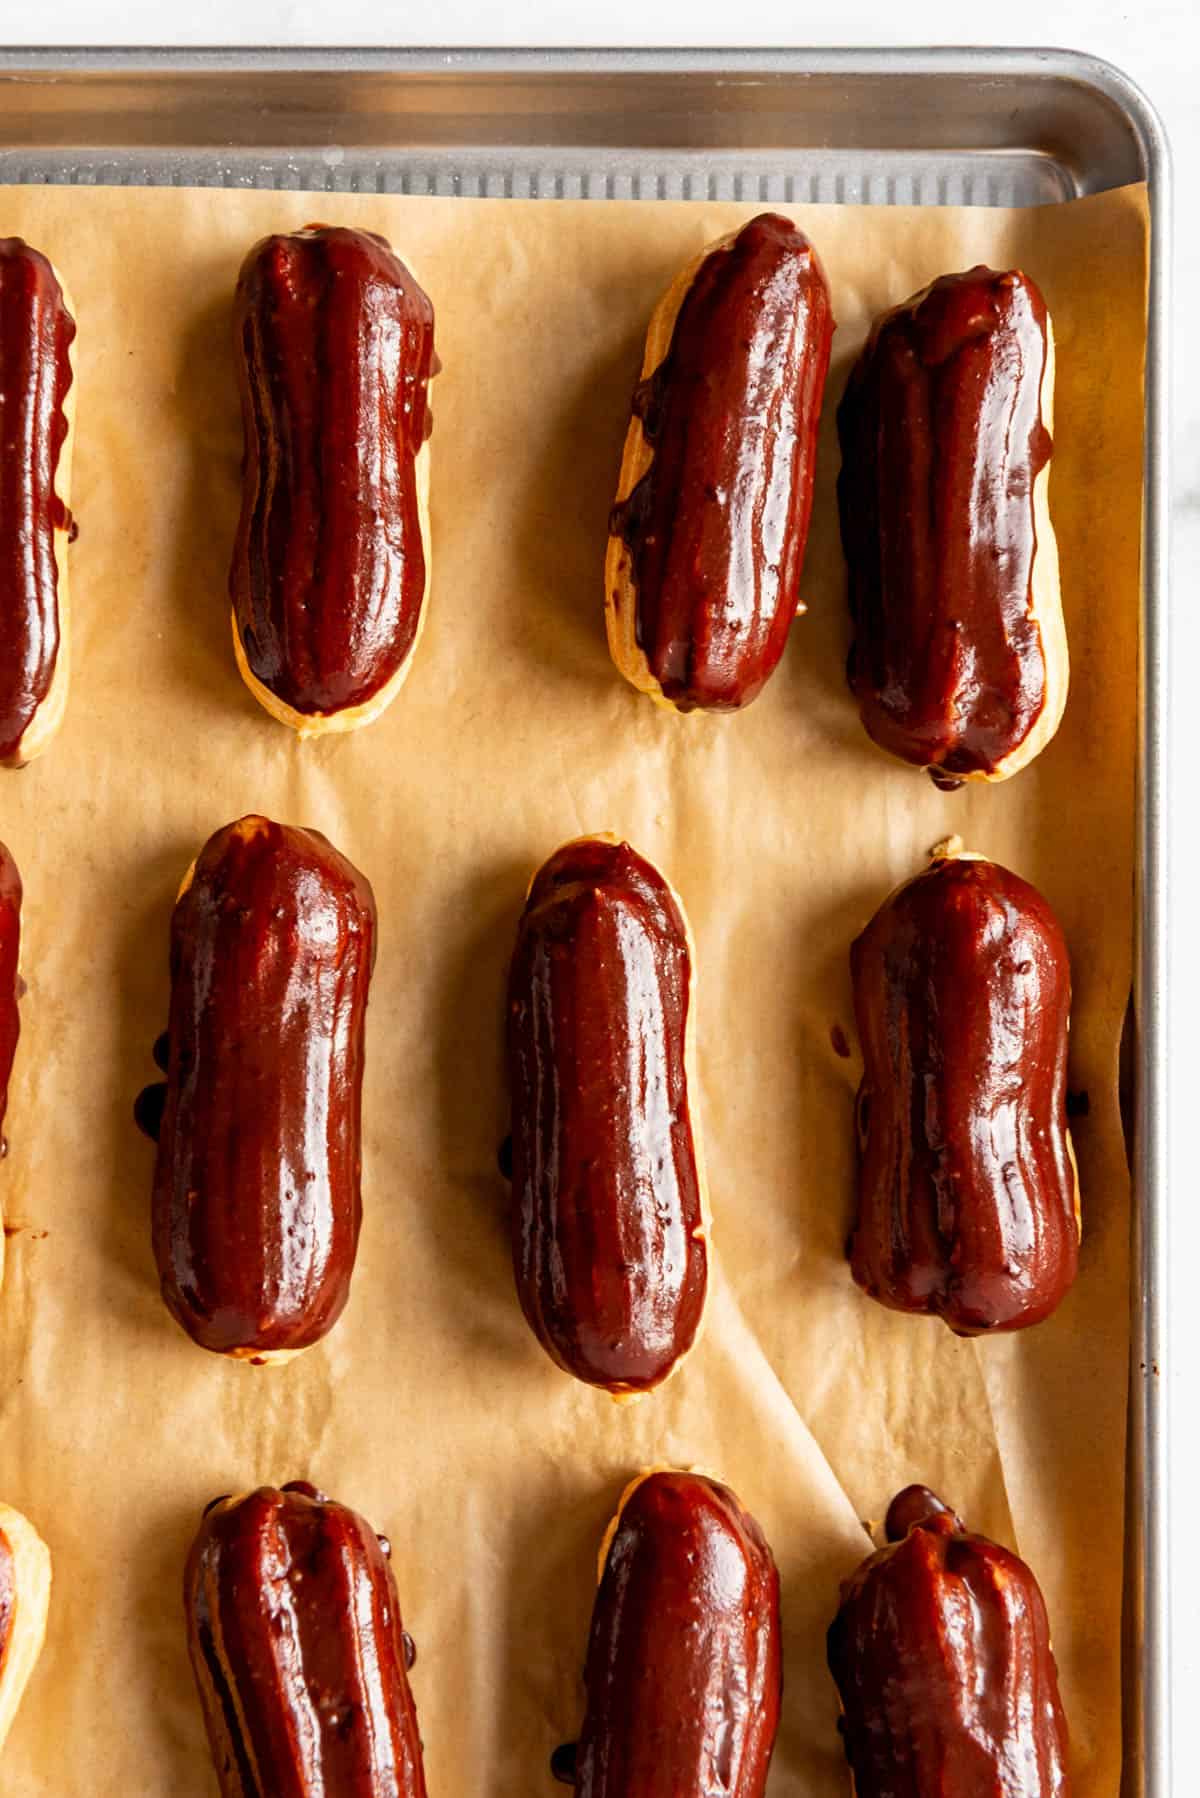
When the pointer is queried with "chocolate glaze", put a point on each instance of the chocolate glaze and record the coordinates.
(306, 1489)
(11, 984)
(504, 1158)
(915, 1505)
(148, 1109)
(966, 1192)
(716, 527)
(294, 1631)
(256, 1187)
(564, 1762)
(36, 333)
(941, 1655)
(684, 1665)
(942, 439)
(607, 1223)
(334, 350)
(8, 1596)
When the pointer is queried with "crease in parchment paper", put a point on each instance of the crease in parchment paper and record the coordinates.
(430, 1407)
(750, 1366)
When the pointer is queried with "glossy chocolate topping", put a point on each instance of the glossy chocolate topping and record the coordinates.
(148, 1109)
(256, 1187)
(915, 1505)
(608, 1245)
(36, 332)
(684, 1664)
(966, 1190)
(716, 528)
(941, 1655)
(8, 1597)
(942, 439)
(11, 986)
(564, 1763)
(335, 351)
(294, 1631)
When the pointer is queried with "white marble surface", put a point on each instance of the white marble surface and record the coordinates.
(1158, 44)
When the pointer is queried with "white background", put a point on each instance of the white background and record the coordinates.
(1158, 43)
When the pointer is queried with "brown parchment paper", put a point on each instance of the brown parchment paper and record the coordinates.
(431, 1408)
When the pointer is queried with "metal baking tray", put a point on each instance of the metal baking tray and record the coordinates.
(923, 127)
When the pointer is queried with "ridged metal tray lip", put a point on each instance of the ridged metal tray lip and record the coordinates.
(1148, 1448)
(988, 65)
(1116, 141)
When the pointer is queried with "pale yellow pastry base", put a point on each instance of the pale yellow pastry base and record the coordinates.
(1046, 600)
(352, 717)
(30, 1572)
(620, 589)
(49, 715)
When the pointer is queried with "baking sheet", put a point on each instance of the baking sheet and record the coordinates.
(431, 1408)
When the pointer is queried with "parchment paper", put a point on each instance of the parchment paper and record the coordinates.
(431, 1408)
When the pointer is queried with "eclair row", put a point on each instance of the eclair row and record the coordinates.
(967, 1192)
(959, 659)
(302, 1660)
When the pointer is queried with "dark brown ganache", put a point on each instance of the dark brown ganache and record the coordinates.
(966, 1183)
(684, 1671)
(608, 1235)
(8, 1597)
(716, 528)
(941, 1655)
(296, 1642)
(36, 333)
(256, 1188)
(335, 352)
(10, 971)
(942, 440)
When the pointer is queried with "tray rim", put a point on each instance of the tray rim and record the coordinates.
(1147, 1453)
